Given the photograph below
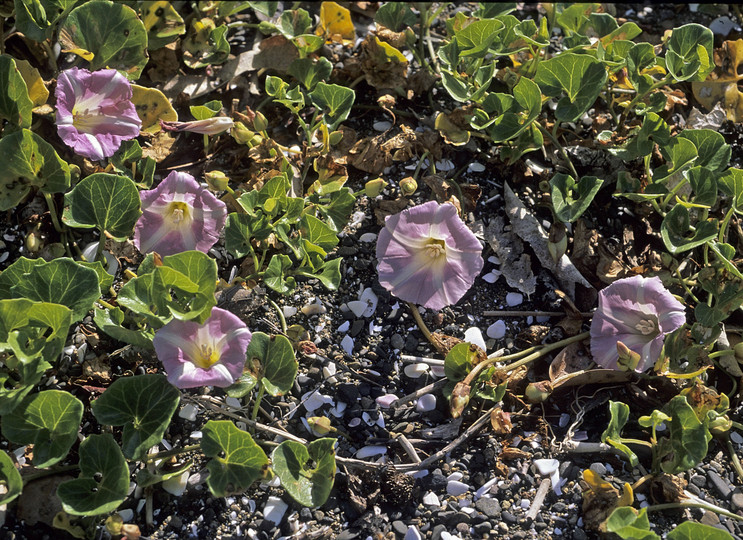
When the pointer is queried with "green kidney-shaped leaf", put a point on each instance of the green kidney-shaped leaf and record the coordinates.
(336, 102)
(395, 16)
(688, 437)
(703, 183)
(112, 32)
(103, 483)
(36, 19)
(524, 110)
(475, 38)
(307, 472)
(49, 420)
(570, 198)
(329, 274)
(689, 54)
(274, 276)
(459, 361)
(580, 77)
(237, 461)
(675, 228)
(142, 404)
(712, 150)
(15, 105)
(630, 524)
(317, 232)
(309, 72)
(61, 281)
(109, 202)
(10, 478)
(111, 322)
(731, 183)
(690, 530)
(29, 161)
(33, 329)
(619, 413)
(273, 357)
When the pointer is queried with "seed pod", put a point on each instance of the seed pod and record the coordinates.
(216, 180)
(558, 241)
(408, 186)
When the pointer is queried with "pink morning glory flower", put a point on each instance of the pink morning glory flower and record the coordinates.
(212, 354)
(179, 215)
(209, 126)
(95, 111)
(428, 256)
(638, 312)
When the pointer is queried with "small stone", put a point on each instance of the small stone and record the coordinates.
(415, 371)
(357, 307)
(412, 533)
(426, 403)
(431, 499)
(176, 485)
(710, 518)
(598, 468)
(514, 299)
(348, 534)
(737, 500)
(508, 517)
(382, 125)
(347, 344)
(188, 412)
(397, 341)
(399, 527)
(274, 510)
(438, 530)
(579, 534)
(368, 237)
(722, 486)
(489, 506)
(736, 437)
(315, 308)
(481, 529)
(289, 311)
(343, 328)
(474, 335)
(456, 488)
(476, 167)
(497, 330)
(411, 344)
(369, 451)
(370, 299)
(386, 400)
(698, 480)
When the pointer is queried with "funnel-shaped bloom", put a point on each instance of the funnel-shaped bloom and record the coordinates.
(212, 354)
(95, 111)
(179, 215)
(209, 126)
(428, 256)
(639, 312)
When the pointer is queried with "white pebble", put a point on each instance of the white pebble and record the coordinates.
(274, 510)
(368, 237)
(347, 344)
(427, 402)
(736, 437)
(412, 533)
(430, 499)
(372, 450)
(438, 371)
(386, 400)
(483, 489)
(314, 400)
(456, 488)
(494, 259)
(196, 434)
(371, 300)
(476, 167)
(315, 308)
(564, 419)
(455, 476)
(343, 328)
(233, 403)
(354, 422)
(415, 371)
(357, 307)
(496, 330)
(127, 514)
(514, 299)
(188, 412)
(474, 336)
(382, 125)
(328, 371)
(445, 165)
(525, 503)
(177, 484)
(492, 276)
(288, 311)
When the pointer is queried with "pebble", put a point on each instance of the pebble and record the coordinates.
(456, 488)
(737, 500)
(382, 125)
(315, 308)
(514, 299)
(721, 485)
(497, 330)
(386, 400)
(274, 510)
(371, 450)
(481, 529)
(315, 400)
(176, 485)
(399, 527)
(343, 328)
(397, 341)
(426, 403)
(289, 311)
(368, 237)
(357, 307)
(598, 468)
(492, 276)
(476, 167)
(347, 344)
(736, 437)
(489, 507)
(508, 517)
(370, 299)
(412, 533)
(188, 412)
(415, 371)
(474, 335)
(698, 480)
(438, 532)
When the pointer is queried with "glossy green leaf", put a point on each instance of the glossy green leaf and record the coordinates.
(329, 274)
(703, 183)
(10, 478)
(395, 16)
(294, 22)
(36, 19)
(570, 198)
(688, 437)
(459, 361)
(690, 530)
(29, 162)
(109, 202)
(731, 183)
(128, 161)
(112, 32)
(675, 230)
(15, 105)
(712, 150)
(619, 413)
(630, 524)
(524, 109)
(103, 483)
(309, 71)
(527, 141)
(454, 85)
(275, 274)
(336, 207)
(146, 478)
(317, 232)
(162, 22)
(654, 130)
(237, 461)
(207, 110)
(307, 472)
(574, 17)
(205, 44)
(49, 420)
(689, 54)
(576, 79)
(475, 38)
(15, 384)
(143, 404)
(33, 329)
(335, 101)
(679, 154)
(272, 358)
(111, 321)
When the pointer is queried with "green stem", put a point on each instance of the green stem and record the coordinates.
(105, 304)
(99, 250)
(724, 225)
(53, 212)
(421, 324)
(257, 404)
(636, 441)
(280, 315)
(693, 504)
(717, 354)
(735, 459)
(737, 425)
(682, 281)
(420, 164)
(49, 472)
(554, 140)
(173, 452)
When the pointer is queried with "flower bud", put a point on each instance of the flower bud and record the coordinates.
(739, 352)
(410, 36)
(628, 359)
(320, 425)
(375, 187)
(719, 425)
(208, 126)
(408, 186)
(538, 392)
(216, 180)
(33, 241)
(259, 122)
(243, 135)
(335, 137)
(558, 241)
(460, 397)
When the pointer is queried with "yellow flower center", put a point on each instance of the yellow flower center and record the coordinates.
(178, 212)
(435, 248)
(85, 120)
(207, 357)
(646, 327)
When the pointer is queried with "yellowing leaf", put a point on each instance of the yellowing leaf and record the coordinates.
(721, 85)
(162, 21)
(335, 24)
(152, 106)
(82, 53)
(37, 92)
